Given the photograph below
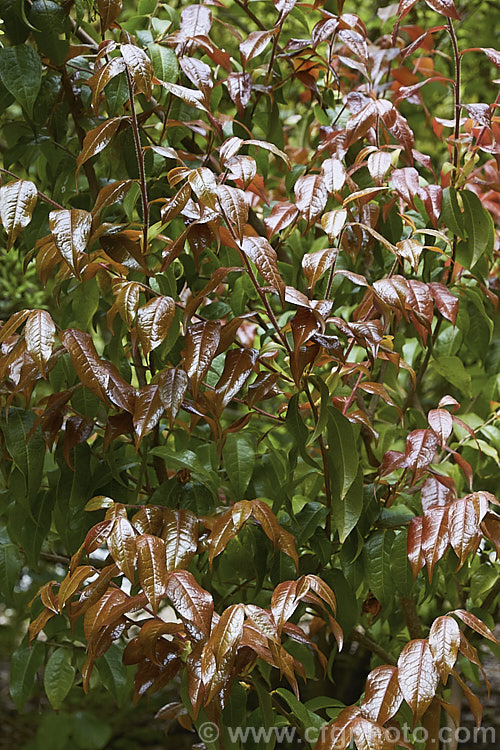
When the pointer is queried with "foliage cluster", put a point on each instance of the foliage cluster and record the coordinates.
(253, 413)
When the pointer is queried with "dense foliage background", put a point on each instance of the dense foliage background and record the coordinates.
(250, 359)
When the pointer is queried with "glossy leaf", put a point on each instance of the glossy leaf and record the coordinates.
(148, 410)
(444, 640)
(254, 44)
(39, 334)
(192, 603)
(200, 346)
(17, 201)
(151, 568)
(71, 230)
(418, 676)
(109, 10)
(311, 194)
(260, 252)
(445, 7)
(315, 264)
(97, 139)
(153, 322)
(122, 547)
(238, 365)
(140, 67)
(180, 532)
(234, 207)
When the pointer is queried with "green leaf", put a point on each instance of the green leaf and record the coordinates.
(347, 512)
(25, 663)
(36, 527)
(59, 676)
(27, 453)
(21, 74)
(400, 567)
(377, 564)
(50, 20)
(73, 492)
(165, 64)
(323, 411)
(479, 230)
(348, 610)
(239, 461)
(311, 517)
(452, 369)
(342, 453)
(451, 214)
(299, 711)
(10, 568)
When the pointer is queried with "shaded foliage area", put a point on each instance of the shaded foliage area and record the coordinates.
(250, 436)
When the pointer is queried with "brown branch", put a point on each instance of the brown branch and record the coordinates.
(411, 617)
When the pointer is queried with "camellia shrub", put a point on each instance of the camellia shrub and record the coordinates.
(253, 419)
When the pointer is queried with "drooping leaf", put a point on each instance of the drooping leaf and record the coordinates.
(25, 663)
(39, 334)
(382, 694)
(254, 44)
(463, 525)
(153, 322)
(17, 201)
(377, 560)
(315, 264)
(238, 366)
(444, 640)
(58, 677)
(21, 74)
(97, 139)
(234, 207)
(70, 230)
(140, 68)
(151, 568)
(172, 385)
(109, 10)
(311, 194)
(414, 545)
(342, 452)
(122, 547)
(260, 252)
(180, 532)
(200, 346)
(418, 676)
(442, 423)
(193, 604)
(435, 536)
(147, 411)
(421, 446)
(347, 511)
